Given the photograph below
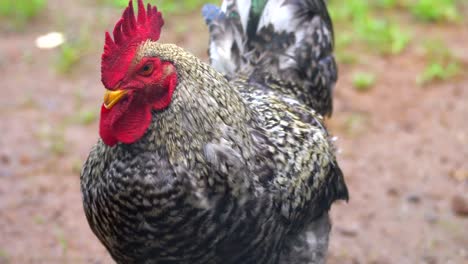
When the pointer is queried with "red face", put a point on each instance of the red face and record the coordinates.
(126, 112)
(133, 91)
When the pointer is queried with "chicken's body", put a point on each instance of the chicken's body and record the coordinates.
(231, 172)
(227, 176)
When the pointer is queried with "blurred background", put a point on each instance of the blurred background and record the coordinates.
(401, 116)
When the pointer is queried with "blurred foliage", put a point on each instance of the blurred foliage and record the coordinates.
(380, 27)
(53, 138)
(19, 12)
(363, 81)
(62, 239)
(72, 51)
(381, 33)
(442, 64)
(436, 71)
(377, 22)
(68, 57)
(435, 10)
(85, 117)
(355, 124)
(4, 258)
(180, 6)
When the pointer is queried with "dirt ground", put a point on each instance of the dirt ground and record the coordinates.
(403, 148)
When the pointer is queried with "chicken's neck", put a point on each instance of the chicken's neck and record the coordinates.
(204, 107)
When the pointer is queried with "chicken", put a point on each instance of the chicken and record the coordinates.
(193, 167)
(271, 40)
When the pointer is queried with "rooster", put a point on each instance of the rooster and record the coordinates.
(198, 165)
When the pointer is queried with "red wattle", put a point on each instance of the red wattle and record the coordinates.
(105, 130)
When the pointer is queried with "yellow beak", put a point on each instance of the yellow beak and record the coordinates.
(113, 97)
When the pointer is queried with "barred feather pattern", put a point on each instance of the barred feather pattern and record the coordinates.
(232, 172)
(289, 41)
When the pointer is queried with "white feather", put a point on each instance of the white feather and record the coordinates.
(244, 8)
(220, 50)
(220, 53)
(225, 4)
(279, 15)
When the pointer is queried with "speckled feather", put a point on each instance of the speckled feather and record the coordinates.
(289, 41)
(231, 172)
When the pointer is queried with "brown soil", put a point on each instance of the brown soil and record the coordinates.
(403, 148)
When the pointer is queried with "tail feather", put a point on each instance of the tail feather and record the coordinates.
(290, 41)
(227, 37)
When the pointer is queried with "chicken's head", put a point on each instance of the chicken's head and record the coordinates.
(135, 84)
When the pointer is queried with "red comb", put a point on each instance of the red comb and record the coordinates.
(129, 32)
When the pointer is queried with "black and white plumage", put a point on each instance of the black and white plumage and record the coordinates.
(233, 170)
(287, 40)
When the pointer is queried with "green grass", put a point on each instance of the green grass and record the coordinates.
(4, 256)
(76, 166)
(69, 56)
(376, 23)
(85, 117)
(19, 12)
(360, 17)
(28, 100)
(435, 10)
(441, 65)
(342, 42)
(383, 36)
(62, 240)
(363, 81)
(58, 144)
(437, 50)
(53, 138)
(168, 6)
(72, 52)
(387, 3)
(436, 71)
(355, 124)
(39, 219)
(375, 27)
(424, 10)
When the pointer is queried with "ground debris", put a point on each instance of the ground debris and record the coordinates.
(348, 231)
(459, 175)
(413, 198)
(460, 205)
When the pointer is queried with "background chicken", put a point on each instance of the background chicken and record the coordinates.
(290, 41)
(193, 168)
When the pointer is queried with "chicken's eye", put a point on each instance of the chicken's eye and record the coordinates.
(147, 69)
